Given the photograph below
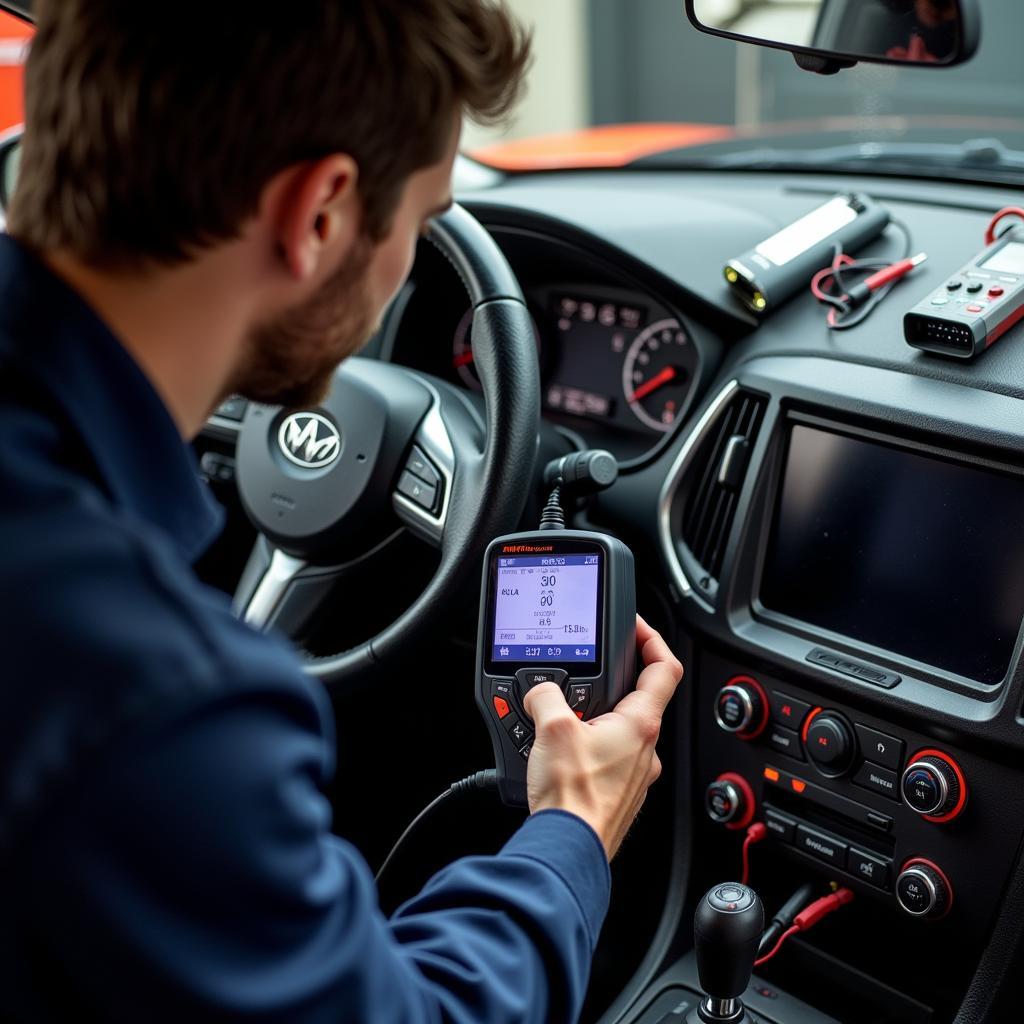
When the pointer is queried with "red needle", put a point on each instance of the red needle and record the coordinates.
(666, 375)
(463, 359)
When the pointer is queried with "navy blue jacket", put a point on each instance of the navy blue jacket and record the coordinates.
(165, 840)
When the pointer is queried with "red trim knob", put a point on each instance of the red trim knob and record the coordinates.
(741, 707)
(934, 786)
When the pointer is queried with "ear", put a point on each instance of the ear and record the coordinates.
(317, 213)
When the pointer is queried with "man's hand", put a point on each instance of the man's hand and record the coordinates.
(601, 770)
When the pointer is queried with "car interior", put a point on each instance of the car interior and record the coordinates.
(802, 349)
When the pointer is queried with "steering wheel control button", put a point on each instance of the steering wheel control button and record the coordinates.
(785, 741)
(740, 707)
(420, 466)
(417, 491)
(880, 748)
(579, 698)
(233, 409)
(922, 890)
(788, 711)
(829, 743)
(933, 786)
(779, 825)
(870, 868)
(878, 780)
(820, 846)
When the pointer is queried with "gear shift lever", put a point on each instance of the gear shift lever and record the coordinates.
(727, 930)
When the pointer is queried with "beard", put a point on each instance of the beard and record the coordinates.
(291, 359)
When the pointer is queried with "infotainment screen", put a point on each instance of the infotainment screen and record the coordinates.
(546, 608)
(905, 551)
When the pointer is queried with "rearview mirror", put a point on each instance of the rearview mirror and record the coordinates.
(827, 35)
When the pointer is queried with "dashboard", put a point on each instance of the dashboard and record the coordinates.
(831, 522)
(619, 366)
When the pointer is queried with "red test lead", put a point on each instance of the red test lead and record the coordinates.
(809, 917)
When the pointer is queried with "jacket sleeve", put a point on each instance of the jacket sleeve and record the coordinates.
(195, 876)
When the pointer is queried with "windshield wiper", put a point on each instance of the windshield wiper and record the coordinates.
(976, 159)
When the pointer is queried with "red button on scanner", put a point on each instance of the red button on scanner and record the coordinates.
(501, 706)
(995, 291)
(975, 308)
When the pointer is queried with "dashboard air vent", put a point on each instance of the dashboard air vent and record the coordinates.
(716, 476)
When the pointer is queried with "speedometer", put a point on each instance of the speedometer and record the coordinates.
(655, 378)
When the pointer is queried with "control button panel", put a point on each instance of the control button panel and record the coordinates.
(869, 867)
(821, 846)
(780, 825)
(880, 748)
(785, 741)
(878, 780)
(788, 711)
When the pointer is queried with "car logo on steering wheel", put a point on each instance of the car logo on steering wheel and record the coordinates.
(309, 440)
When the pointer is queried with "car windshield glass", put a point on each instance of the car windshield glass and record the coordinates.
(685, 98)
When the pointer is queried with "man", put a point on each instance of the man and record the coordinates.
(212, 205)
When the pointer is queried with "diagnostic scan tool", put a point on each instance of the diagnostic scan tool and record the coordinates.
(556, 606)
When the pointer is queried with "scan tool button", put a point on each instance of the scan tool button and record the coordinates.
(579, 698)
(517, 731)
(528, 678)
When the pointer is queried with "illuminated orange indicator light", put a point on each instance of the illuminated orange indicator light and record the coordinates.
(798, 785)
(771, 774)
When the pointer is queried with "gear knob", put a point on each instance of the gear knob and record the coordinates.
(727, 931)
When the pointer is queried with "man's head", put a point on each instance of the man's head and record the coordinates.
(316, 136)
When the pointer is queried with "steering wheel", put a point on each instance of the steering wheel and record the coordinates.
(393, 449)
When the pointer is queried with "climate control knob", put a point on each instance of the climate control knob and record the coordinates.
(934, 785)
(923, 890)
(729, 801)
(741, 707)
(829, 742)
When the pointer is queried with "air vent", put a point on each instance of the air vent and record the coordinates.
(716, 476)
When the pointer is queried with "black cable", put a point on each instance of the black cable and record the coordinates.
(785, 917)
(851, 318)
(487, 779)
(553, 518)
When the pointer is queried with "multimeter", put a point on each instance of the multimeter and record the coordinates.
(556, 606)
(976, 306)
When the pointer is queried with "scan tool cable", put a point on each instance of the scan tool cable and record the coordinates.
(483, 780)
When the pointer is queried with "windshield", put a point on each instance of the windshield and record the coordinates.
(621, 62)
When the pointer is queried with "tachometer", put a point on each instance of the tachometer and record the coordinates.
(655, 379)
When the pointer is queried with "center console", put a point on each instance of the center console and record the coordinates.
(846, 545)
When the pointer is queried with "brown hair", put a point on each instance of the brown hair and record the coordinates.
(149, 137)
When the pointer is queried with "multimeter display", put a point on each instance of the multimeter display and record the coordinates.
(1008, 260)
(546, 608)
